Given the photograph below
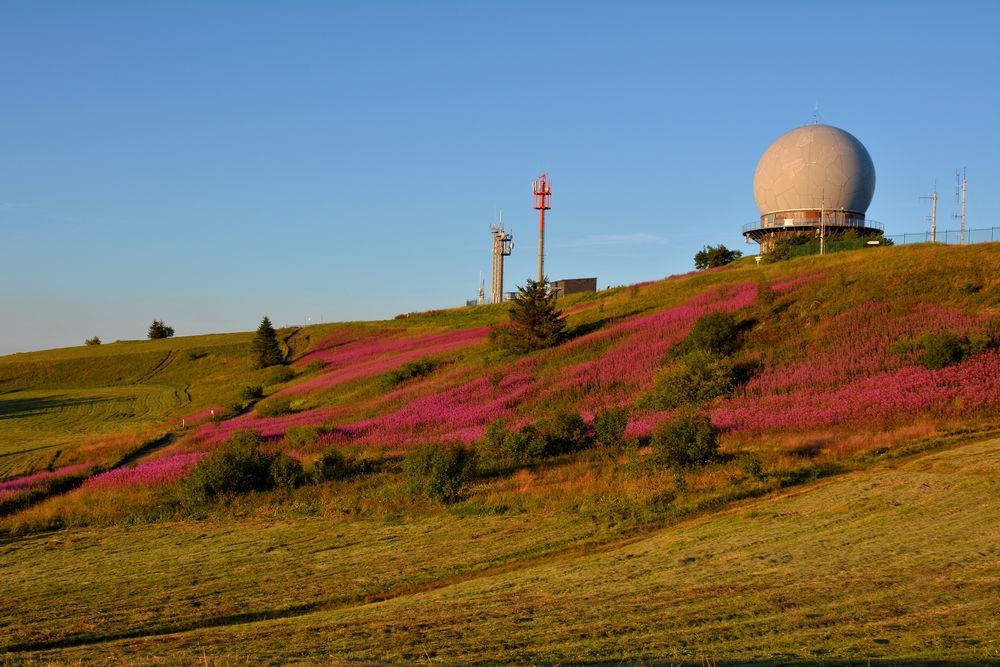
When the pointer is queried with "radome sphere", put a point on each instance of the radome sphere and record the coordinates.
(814, 166)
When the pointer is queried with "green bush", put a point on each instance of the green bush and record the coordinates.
(333, 465)
(92, 341)
(502, 448)
(714, 332)
(609, 427)
(314, 366)
(303, 436)
(277, 375)
(274, 407)
(287, 472)
(685, 440)
(407, 371)
(438, 472)
(564, 433)
(237, 466)
(693, 379)
(251, 392)
(940, 349)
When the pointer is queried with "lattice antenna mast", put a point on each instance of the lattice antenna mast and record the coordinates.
(503, 244)
(932, 218)
(960, 188)
(541, 190)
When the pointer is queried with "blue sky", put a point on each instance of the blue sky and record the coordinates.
(206, 163)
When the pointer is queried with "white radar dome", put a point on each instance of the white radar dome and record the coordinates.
(813, 166)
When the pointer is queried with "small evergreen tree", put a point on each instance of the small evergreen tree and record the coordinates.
(159, 330)
(534, 321)
(711, 257)
(265, 348)
(93, 341)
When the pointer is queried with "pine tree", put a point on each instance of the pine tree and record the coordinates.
(159, 330)
(265, 348)
(534, 321)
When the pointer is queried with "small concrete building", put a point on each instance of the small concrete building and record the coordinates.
(569, 286)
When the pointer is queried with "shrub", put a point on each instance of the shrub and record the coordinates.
(695, 378)
(564, 433)
(711, 257)
(752, 465)
(159, 330)
(92, 341)
(287, 472)
(274, 407)
(333, 465)
(303, 436)
(407, 371)
(714, 332)
(438, 472)
(501, 447)
(609, 427)
(278, 375)
(314, 366)
(237, 466)
(251, 392)
(942, 349)
(687, 439)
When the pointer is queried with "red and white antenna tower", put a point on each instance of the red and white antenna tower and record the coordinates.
(542, 191)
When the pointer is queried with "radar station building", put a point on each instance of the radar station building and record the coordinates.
(569, 286)
(814, 179)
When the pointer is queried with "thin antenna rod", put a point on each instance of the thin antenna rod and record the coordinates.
(933, 216)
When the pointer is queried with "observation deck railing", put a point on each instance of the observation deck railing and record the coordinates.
(759, 225)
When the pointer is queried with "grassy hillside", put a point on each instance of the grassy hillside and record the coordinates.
(832, 393)
(896, 562)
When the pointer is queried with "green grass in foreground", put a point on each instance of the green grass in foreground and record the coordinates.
(900, 562)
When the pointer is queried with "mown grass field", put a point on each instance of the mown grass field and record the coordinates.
(849, 513)
(899, 562)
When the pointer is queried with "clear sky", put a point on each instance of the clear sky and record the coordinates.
(207, 163)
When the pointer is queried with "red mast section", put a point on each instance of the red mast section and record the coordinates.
(542, 200)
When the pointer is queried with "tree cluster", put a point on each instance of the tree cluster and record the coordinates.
(711, 257)
(159, 330)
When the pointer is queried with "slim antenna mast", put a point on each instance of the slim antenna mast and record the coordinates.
(933, 216)
(541, 190)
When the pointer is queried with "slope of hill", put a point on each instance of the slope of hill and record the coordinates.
(834, 382)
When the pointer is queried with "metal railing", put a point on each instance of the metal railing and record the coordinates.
(949, 236)
(780, 224)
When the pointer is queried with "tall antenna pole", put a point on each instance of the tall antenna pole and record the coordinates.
(960, 187)
(542, 200)
(933, 217)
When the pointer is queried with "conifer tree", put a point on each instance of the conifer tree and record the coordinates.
(534, 321)
(159, 330)
(265, 348)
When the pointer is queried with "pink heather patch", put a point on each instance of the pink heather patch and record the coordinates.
(790, 284)
(361, 359)
(41, 480)
(972, 385)
(645, 340)
(269, 427)
(859, 343)
(458, 413)
(642, 425)
(162, 471)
